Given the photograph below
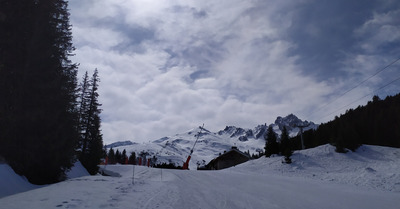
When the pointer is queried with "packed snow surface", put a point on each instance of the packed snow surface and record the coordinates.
(317, 178)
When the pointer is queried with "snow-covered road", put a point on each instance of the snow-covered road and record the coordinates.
(162, 188)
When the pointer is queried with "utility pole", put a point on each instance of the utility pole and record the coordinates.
(301, 134)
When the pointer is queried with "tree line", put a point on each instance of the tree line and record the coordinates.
(376, 123)
(46, 121)
(284, 147)
(114, 157)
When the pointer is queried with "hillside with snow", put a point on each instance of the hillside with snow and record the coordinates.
(317, 178)
(370, 167)
(175, 149)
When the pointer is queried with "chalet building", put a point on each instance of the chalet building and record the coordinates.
(228, 159)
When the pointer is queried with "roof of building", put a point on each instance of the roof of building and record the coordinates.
(234, 150)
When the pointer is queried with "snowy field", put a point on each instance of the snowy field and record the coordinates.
(318, 178)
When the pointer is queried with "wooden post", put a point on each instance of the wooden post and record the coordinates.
(133, 175)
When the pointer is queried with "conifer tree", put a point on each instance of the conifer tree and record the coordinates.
(123, 156)
(84, 100)
(91, 137)
(117, 156)
(132, 158)
(271, 146)
(111, 156)
(286, 146)
(38, 114)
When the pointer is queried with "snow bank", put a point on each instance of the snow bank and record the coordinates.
(11, 183)
(372, 167)
(77, 171)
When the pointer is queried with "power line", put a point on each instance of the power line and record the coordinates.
(380, 88)
(359, 84)
(372, 75)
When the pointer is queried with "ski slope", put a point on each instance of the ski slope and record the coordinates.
(318, 178)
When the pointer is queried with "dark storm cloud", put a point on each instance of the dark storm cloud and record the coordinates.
(323, 31)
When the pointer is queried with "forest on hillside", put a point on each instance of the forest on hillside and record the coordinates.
(377, 123)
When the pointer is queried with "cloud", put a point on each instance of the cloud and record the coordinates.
(376, 45)
(380, 32)
(168, 66)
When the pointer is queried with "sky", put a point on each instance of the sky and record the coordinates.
(168, 66)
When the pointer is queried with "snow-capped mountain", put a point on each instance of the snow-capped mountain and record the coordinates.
(119, 144)
(175, 149)
(293, 124)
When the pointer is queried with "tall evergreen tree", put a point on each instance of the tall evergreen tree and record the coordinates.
(132, 158)
(111, 156)
(91, 137)
(124, 157)
(84, 100)
(38, 114)
(271, 145)
(117, 156)
(286, 146)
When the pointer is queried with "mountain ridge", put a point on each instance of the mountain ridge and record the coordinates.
(175, 149)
